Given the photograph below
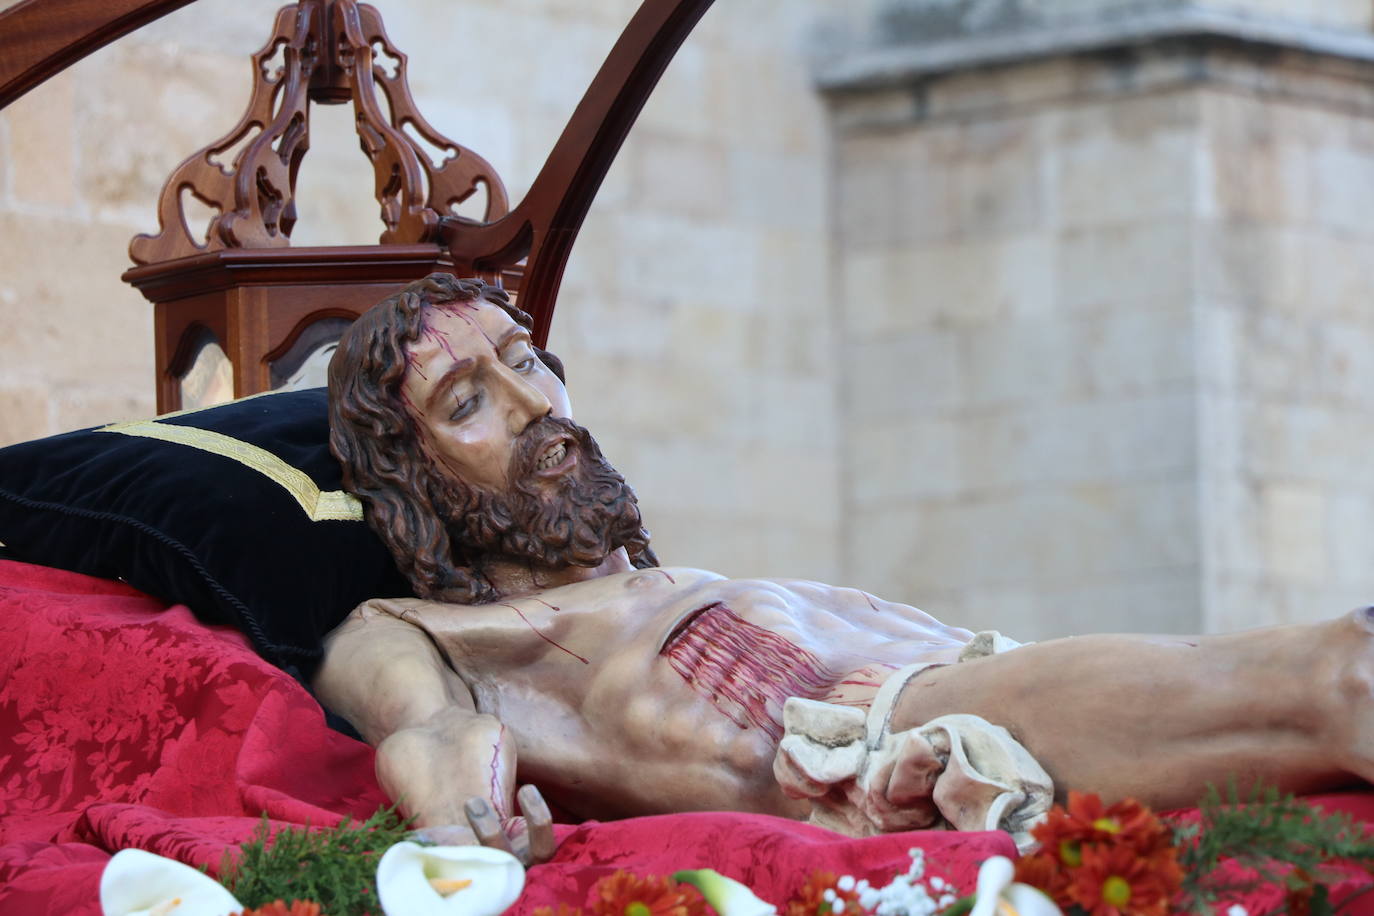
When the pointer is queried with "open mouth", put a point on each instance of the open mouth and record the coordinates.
(553, 457)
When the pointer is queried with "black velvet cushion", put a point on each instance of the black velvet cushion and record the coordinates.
(236, 511)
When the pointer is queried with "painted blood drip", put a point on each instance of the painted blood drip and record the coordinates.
(498, 798)
(863, 701)
(666, 576)
(547, 605)
(543, 637)
(747, 672)
(869, 599)
(465, 311)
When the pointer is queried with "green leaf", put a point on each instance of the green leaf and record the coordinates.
(336, 868)
(1274, 836)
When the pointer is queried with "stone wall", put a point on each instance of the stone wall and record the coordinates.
(1284, 275)
(1102, 345)
(1046, 327)
(695, 308)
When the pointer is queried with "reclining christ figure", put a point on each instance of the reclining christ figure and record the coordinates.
(547, 644)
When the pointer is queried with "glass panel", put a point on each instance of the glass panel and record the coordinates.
(314, 372)
(306, 364)
(210, 380)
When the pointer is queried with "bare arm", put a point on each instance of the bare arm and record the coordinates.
(435, 751)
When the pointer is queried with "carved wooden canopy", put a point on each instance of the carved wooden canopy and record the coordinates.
(242, 282)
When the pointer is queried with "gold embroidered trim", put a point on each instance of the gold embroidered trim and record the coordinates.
(319, 505)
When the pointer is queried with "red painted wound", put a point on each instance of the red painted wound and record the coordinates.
(666, 576)
(746, 672)
(547, 605)
(870, 677)
(498, 797)
(543, 637)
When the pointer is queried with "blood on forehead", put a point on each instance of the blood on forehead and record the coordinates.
(464, 311)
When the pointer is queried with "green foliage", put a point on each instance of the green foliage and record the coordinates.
(1278, 837)
(335, 868)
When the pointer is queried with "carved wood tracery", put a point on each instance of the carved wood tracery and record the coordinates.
(328, 53)
(414, 192)
(243, 280)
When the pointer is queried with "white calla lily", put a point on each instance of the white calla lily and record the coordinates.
(139, 883)
(726, 895)
(415, 880)
(999, 896)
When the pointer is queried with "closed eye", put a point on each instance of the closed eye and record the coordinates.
(465, 407)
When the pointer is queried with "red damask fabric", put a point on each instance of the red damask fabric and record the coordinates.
(125, 723)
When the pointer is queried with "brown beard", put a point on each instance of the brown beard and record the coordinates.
(576, 519)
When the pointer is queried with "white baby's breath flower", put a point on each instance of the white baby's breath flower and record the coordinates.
(1236, 909)
(415, 880)
(139, 883)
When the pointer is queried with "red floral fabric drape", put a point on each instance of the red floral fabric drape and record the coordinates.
(126, 723)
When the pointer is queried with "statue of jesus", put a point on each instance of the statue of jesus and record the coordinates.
(547, 646)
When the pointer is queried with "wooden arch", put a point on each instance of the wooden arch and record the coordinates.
(40, 38)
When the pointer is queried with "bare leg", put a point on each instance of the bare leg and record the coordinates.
(1159, 718)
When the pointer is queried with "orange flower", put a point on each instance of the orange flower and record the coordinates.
(809, 900)
(279, 908)
(1043, 870)
(624, 894)
(563, 910)
(1065, 833)
(1301, 889)
(1115, 881)
(1126, 821)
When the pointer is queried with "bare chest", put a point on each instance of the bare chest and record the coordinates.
(678, 706)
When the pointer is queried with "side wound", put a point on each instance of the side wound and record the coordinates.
(746, 672)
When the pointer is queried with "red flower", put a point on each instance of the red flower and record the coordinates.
(1126, 821)
(624, 894)
(1078, 842)
(279, 908)
(1043, 870)
(1301, 889)
(1063, 833)
(563, 910)
(809, 900)
(1115, 881)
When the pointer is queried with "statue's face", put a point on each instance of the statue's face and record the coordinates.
(474, 384)
(517, 477)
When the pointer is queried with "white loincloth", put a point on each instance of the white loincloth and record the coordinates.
(956, 771)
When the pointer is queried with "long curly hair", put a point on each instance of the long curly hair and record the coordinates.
(376, 440)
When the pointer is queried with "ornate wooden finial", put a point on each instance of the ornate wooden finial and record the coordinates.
(328, 49)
